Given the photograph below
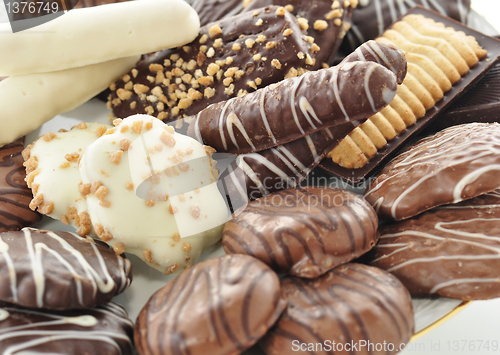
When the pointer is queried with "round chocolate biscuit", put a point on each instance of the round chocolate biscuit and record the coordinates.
(220, 306)
(305, 231)
(15, 196)
(104, 330)
(452, 251)
(352, 305)
(456, 164)
(59, 270)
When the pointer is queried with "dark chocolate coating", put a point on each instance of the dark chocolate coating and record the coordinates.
(252, 68)
(385, 54)
(295, 108)
(59, 270)
(220, 306)
(287, 165)
(89, 3)
(481, 103)
(369, 22)
(303, 232)
(258, 174)
(455, 164)
(15, 196)
(214, 10)
(452, 251)
(348, 305)
(328, 39)
(104, 330)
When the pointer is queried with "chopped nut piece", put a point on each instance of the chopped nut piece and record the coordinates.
(167, 139)
(209, 92)
(288, 32)
(257, 57)
(126, 78)
(212, 69)
(300, 55)
(320, 25)
(130, 185)
(116, 157)
(147, 255)
(276, 63)
(214, 31)
(280, 11)
(47, 137)
(154, 67)
(249, 43)
(46, 208)
(101, 193)
(227, 81)
(186, 247)
(171, 269)
(195, 212)
(314, 47)
(337, 22)
(258, 81)
(64, 219)
(259, 22)
(303, 23)
(140, 89)
(270, 45)
(119, 248)
(84, 189)
(236, 46)
(72, 157)
(252, 84)
(65, 165)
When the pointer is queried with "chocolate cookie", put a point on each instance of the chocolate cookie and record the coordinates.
(59, 270)
(295, 108)
(371, 17)
(220, 306)
(305, 231)
(15, 196)
(104, 330)
(229, 58)
(214, 10)
(452, 251)
(455, 164)
(325, 21)
(351, 305)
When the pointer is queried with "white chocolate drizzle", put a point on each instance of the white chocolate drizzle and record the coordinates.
(36, 251)
(44, 332)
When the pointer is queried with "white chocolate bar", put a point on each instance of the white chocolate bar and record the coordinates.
(97, 34)
(168, 232)
(29, 101)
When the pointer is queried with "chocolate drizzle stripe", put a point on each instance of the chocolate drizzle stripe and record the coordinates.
(11, 182)
(381, 302)
(309, 292)
(15, 219)
(262, 240)
(353, 312)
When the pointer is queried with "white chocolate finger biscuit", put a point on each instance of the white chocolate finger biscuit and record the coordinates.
(180, 212)
(29, 101)
(53, 175)
(97, 34)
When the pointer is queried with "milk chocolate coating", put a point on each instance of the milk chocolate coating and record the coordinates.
(104, 330)
(15, 196)
(328, 39)
(452, 251)
(303, 232)
(295, 108)
(455, 164)
(245, 60)
(349, 304)
(59, 270)
(220, 306)
(481, 103)
(370, 21)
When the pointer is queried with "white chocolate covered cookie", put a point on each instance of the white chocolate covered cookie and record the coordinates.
(152, 192)
(97, 34)
(29, 101)
(53, 175)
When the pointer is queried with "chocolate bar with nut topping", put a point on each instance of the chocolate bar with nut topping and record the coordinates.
(229, 58)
